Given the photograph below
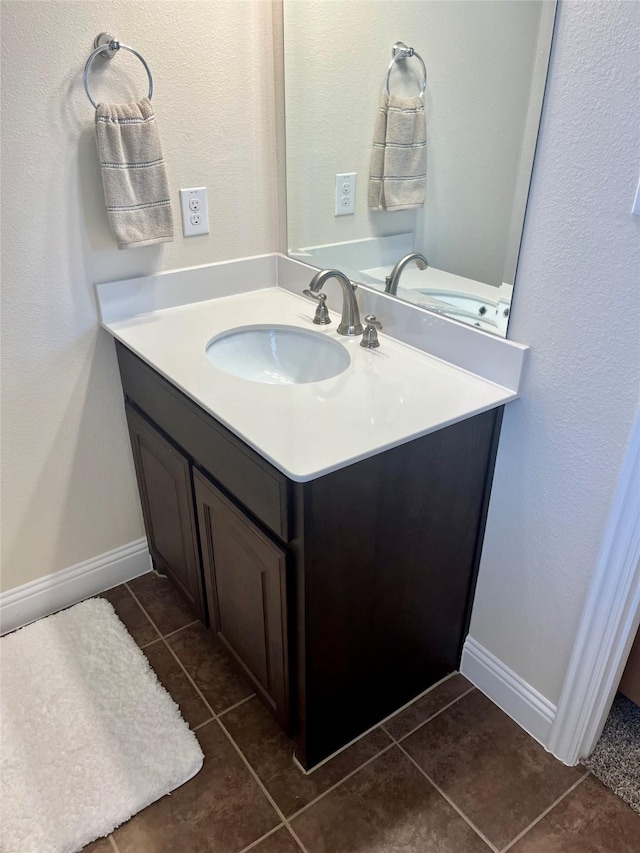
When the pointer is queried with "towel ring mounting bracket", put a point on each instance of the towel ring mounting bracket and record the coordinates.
(107, 46)
(399, 52)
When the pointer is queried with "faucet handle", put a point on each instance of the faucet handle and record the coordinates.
(321, 317)
(370, 334)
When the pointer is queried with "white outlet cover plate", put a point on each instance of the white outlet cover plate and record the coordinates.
(194, 222)
(345, 194)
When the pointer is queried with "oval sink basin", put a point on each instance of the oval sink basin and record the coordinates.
(278, 355)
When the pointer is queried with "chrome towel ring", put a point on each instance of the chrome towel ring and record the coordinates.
(400, 52)
(107, 46)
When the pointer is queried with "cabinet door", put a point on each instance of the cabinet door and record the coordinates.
(245, 576)
(164, 481)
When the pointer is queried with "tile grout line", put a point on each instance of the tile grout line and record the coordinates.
(235, 746)
(271, 832)
(389, 746)
(214, 715)
(177, 631)
(146, 615)
(520, 835)
(260, 784)
(202, 724)
(163, 639)
(340, 781)
(545, 812)
(209, 708)
(160, 638)
(297, 839)
(470, 823)
(428, 720)
(216, 718)
(151, 643)
(262, 838)
(381, 723)
(245, 761)
(237, 704)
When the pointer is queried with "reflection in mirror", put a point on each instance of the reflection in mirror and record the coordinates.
(375, 173)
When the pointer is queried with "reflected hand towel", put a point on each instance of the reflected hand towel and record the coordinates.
(398, 175)
(136, 189)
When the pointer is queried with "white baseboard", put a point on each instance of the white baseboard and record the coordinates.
(502, 685)
(53, 592)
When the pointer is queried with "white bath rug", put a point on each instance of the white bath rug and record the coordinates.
(88, 735)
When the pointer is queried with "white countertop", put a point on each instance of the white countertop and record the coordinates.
(385, 398)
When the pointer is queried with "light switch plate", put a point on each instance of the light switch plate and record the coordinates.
(195, 213)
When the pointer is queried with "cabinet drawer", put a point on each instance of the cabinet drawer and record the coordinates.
(260, 487)
(245, 577)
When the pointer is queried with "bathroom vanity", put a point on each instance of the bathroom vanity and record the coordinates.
(340, 579)
(341, 598)
(329, 528)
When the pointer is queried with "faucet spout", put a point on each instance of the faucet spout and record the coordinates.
(391, 281)
(350, 323)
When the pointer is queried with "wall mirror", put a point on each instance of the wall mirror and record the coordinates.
(485, 64)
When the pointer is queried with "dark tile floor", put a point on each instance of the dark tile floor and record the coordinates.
(449, 774)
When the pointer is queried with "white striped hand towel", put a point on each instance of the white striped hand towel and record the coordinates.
(398, 177)
(136, 189)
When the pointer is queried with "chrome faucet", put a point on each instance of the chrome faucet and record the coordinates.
(350, 323)
(391, 281)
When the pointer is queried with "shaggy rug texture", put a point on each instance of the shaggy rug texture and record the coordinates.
(616, 759)
(88, 735)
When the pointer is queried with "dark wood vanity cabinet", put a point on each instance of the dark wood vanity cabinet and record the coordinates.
(342, 598)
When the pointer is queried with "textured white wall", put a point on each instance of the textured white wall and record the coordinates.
(68, 490)
(577, 303)
(479, 58)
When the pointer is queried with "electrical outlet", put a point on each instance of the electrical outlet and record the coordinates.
(345, 194)
(195, 215)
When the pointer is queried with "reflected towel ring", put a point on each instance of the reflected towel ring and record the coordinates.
(107, 46)
(400, 51)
